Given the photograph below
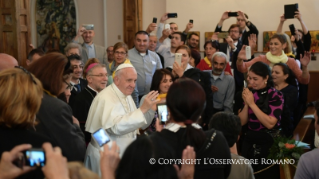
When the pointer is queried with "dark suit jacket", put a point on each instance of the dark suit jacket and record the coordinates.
(9, 138)
(81, 106)
(83, 84)
(55, 122)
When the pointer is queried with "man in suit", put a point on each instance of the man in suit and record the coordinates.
(76, 81)
(89, 49)
(242, 21)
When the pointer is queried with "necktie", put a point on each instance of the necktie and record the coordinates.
(78, 88)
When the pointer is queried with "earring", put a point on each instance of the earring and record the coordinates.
(265, 82)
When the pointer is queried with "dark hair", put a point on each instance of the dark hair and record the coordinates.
(191, 34)
(195, 54)
(157, 78)
(281, 37)
(214, 44)
(142, 32)
(172, 23)
(74, 57)
(183, 38)
(33, 52)
(186, 101)
(229, 124)
(135, 160)
(286, 70)
(263, 70)
(49, 70)
(234, 26)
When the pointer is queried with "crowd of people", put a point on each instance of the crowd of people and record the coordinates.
(221, 107)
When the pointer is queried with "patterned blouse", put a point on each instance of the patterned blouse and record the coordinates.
(275, 100)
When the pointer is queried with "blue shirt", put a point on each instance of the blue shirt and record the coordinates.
(91, 50)
(223, 98)
(145, 67)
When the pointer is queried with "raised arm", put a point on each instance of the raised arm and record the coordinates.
(281, 23)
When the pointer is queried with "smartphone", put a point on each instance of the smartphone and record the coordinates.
(292, 29)
(162, 112)
(172, 15)
(232, 14)
(101, 137)
(35, 157)
(167, 26)
(248, 52)
(154, 20)
(223, 35)
(290, 10)
(191, 21)
(178, 58)
(88, 26)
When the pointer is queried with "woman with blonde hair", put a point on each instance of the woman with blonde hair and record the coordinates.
(20, 100)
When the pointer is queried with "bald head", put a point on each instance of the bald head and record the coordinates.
(7, 61)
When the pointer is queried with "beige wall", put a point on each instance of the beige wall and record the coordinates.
(152, 8)
(114, 9)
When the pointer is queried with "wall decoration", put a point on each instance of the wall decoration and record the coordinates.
(55, 24)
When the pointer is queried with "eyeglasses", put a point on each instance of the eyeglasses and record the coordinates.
(100, 75)
(234, 31)
(120, 53)
(27, 72)
(70, 87)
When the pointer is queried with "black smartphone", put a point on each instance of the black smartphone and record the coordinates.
(101, 137)
(35, 157)
(232, 14)
(191, 21)
(290, 10)
(292, 29)
(162, 112)
(154, 20)
(172, 15)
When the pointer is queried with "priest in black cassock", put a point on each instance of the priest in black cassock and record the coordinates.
(97, 79)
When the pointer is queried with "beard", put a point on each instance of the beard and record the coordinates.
(218, 71)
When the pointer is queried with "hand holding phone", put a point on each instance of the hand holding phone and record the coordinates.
(223, 35)
(178, 58)
(191, 21)
(101, 137)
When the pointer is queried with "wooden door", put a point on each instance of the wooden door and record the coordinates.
(15, 29)
(132, 22)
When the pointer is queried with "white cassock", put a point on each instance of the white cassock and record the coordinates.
(117, 114)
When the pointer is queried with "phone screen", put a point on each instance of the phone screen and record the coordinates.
(101, 137)
(154, 19)
(223, 35)
(162, 112)
(35, 157)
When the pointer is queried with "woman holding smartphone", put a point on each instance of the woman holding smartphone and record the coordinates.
(162, 80)
(20, 100)
(203, 78)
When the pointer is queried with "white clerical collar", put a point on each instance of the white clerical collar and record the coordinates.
(92, 89)
(173, 127)
(117, 91)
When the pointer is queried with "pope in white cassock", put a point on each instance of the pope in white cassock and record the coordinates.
(114, 110)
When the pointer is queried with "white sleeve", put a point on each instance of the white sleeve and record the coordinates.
(159, 30)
